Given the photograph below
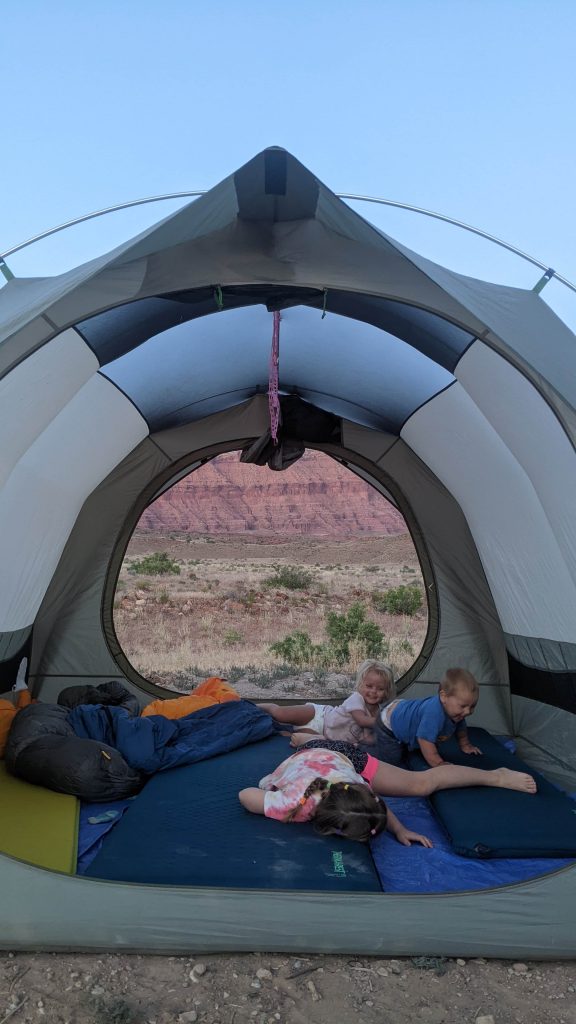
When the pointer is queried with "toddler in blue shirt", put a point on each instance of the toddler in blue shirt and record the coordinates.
(424, 723)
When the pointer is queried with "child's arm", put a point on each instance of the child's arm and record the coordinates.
(430, 753)
(403, 834)
(252, 799)
(363, 718)
(464, 743)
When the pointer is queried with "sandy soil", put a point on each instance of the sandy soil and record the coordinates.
(221, 613)
(276, 989)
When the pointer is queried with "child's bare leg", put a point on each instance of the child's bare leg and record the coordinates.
(297, 714)
(392, 781)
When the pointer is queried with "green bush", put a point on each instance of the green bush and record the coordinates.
(353, 627)
(158, 564)
(232, 637)
(350, 636)
(291, 577)
(297, 649)
(398, 601)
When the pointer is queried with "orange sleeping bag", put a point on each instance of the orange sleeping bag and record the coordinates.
(8, 711)
(211, 691)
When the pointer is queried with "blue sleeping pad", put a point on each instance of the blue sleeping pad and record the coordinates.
(484, 822)
(187, 827)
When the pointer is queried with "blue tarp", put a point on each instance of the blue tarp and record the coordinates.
(416, 869)
(155, 743)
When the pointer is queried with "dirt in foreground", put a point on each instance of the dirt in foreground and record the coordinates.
(277, 989)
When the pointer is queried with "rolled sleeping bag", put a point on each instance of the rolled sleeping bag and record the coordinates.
(43, 749)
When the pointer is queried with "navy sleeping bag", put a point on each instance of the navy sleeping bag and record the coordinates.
(486, 822)
(155, 743)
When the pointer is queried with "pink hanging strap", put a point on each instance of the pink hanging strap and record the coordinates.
(273, 397)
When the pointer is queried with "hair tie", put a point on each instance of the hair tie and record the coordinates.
(302, 800)
(373, 832)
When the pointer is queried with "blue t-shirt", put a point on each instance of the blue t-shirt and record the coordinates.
(414, 720)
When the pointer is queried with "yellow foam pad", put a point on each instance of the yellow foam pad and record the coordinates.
(37, 825)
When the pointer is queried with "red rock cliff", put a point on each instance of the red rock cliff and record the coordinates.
(316, 496)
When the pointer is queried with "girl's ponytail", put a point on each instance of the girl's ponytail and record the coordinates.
(318, 785)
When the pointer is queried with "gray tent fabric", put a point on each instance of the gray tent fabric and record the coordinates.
(453, 397)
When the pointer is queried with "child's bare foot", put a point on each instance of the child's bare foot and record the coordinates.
(507, 779)
(297, 739)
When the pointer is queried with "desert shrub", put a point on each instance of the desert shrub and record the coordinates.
(350, 637)
(403, 600)
(232, 637)
(291, 577)
(164, 598)
(350, 627)
(297, 649)
(158, 564)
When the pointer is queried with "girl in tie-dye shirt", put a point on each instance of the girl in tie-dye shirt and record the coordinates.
(324, 785)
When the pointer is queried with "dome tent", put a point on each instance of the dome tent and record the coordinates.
(455, 398)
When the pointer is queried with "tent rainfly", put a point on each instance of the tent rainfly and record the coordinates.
(454, 397)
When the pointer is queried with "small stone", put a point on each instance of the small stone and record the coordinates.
(520, 968)
(382, 972)
(98, 990)
(263, 973)
(188, 1017)
(486, 1019)
(197, 971)
(460, 962)
(313, 991)
(255, 984)
(395, 968)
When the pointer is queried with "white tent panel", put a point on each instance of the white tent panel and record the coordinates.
(532, 432)
(36, 390)
(532, 588)
(48, 486)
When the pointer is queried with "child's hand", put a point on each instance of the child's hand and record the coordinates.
(469, 748)
(406, 837)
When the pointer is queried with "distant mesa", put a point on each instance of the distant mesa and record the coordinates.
(316, 497)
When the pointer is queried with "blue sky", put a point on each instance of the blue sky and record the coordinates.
(461, 106)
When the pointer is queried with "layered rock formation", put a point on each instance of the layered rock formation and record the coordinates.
(315, 497)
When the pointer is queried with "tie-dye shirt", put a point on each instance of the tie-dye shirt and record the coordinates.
(287, 784)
